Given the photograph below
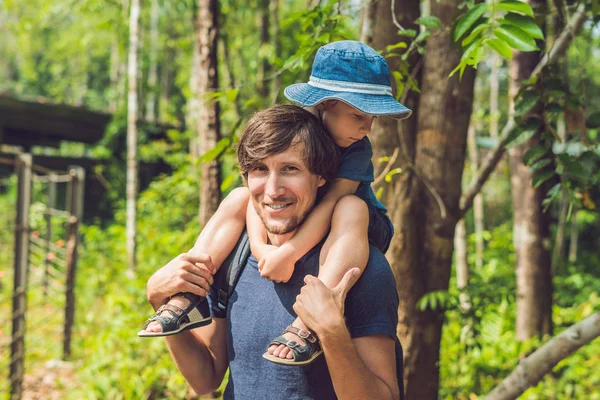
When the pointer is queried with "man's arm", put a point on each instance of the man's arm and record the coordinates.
(362, 368)
(201, 355)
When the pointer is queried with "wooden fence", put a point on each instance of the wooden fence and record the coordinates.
(52, 263)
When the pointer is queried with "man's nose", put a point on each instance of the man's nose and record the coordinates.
(274, 186)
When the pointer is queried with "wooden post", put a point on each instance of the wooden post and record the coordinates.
(76, 211)
(49, 207)
(17, 348)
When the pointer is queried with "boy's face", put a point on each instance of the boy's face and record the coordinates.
(345, 124)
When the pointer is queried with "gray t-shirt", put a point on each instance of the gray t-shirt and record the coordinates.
(259, 310)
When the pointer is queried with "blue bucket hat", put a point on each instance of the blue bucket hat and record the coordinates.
(354, 73)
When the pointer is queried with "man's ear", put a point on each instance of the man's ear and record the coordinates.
(322, 181)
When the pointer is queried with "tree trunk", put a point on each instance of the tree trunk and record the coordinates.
(531, 224)
(166, 84)
(277, 49)
(559, 239)
(574, 236)
(433, 143)
(132, 166)
(229, 74)
(533, 368)
(194, 102)
(494, 94)
(114, 74)
(208, 126)
(478, 202)
(153, 67)
(264, 69)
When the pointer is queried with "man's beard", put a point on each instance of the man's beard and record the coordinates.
(292, 224)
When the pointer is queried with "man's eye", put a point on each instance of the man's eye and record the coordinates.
(291, 168)
(259, 168)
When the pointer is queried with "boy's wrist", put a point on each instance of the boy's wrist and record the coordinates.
(289, 251)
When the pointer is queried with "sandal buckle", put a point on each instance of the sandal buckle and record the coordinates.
(304, 334)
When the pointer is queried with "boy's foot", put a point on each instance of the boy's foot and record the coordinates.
(171, 319)
(295, 346)
(177, 301)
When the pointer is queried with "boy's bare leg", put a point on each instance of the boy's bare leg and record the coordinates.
(346, 247)
(218, 238)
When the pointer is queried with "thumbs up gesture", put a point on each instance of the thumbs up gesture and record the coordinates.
(321, 308)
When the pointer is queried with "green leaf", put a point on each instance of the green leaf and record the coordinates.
(474, 33)
(411, 33)
(470, 51)
(500, 47)
(228, 182)
(540, 164)
(399, 45)
(430, 22)
(554, 190)
(540, 178)
(525, 102)
(232, 94)
(573, 168)
(533, 154)
(555, 84)
(516, 6)
(553, 108)
(466, 21)
(593, 121)
(516, 38)
(520, 137)
(390, 175)
(215, 152)
(525, 23)
(423, 35)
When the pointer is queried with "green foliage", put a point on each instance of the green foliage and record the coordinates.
(499, 25)
(574, 164)
(479, 348)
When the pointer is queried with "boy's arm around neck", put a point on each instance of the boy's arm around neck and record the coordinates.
(318, 222)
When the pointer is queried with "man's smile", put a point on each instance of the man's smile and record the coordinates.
(276, 207)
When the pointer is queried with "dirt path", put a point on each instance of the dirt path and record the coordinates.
(51, 382)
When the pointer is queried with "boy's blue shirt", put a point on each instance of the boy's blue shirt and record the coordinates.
(356, 165)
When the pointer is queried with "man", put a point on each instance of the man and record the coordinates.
(284, 155)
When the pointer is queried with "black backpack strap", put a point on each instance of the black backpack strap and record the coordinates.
(228, 275)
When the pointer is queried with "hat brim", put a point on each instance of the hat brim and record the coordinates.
(383, 105)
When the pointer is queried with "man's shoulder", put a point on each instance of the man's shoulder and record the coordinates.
(378, 272)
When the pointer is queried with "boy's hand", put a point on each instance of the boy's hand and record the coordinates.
(277, 265)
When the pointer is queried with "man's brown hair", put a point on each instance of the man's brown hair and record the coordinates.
(274, 130)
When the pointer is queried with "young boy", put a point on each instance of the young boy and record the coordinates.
(349, 87)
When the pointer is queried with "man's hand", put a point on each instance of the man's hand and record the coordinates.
(321, 308)
(192, 273)
(278, 264)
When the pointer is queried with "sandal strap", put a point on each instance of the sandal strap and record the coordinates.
(172, 308)
(190, 296)
(305, 334)
(300, 352)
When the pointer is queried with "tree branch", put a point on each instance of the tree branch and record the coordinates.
(533, 368)
(560, 46)
(387, 168)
